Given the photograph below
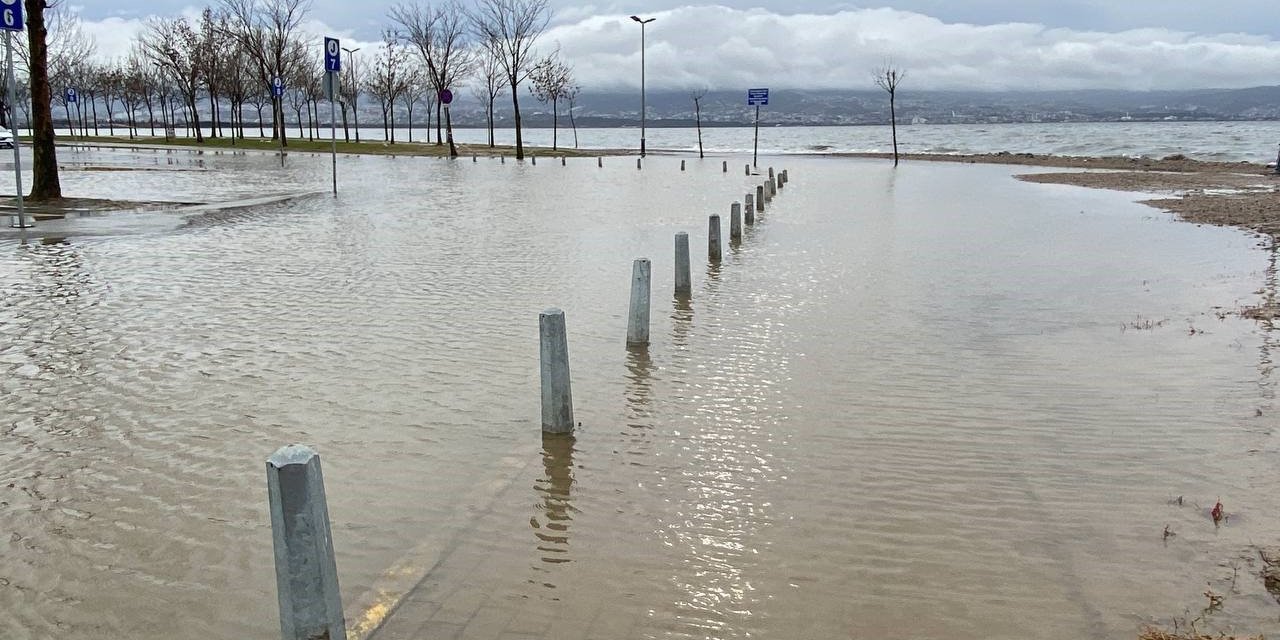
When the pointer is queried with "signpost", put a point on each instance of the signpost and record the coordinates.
(332, 66)
(11, 19)
(277, 92)
(446, 97)
(756, 98)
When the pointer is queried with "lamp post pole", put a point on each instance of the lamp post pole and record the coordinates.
(355, 88)
(643, 108)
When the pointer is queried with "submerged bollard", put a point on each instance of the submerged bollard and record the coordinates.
(600, 162)
(760, 198)
(682, 165)
(770, 173)
(748, 169)
(562, 161)
(637, 164)
(503, 159)
(773, 187)
(713, 238)
(724, 166)
(306, 574)
(684, 283)
(534, 159)
(473, 159)
(735, 223)
(750, 209)
(638, 317)
(557, 400)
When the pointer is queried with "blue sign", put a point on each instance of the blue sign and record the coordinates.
(11, 15)
(277, 87)
(332, 55)
(72, 96)
(757, 97)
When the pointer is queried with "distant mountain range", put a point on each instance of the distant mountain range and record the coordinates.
(800, 107)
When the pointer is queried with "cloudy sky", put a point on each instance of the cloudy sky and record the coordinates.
(943, 44)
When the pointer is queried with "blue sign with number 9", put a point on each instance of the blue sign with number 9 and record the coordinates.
(11, 15)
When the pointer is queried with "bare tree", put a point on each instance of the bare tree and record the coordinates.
(508, 29)
(489, 84)
(887, 78)
(175, 46)
(549, 82)
(440, 36)
(134, 90)
(417, 87)
(387, 80)
(349, 93)
(571, 96)
(110, 85)
(697, 96)
(267, 31)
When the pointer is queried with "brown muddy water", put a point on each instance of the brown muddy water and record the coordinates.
(923, 403)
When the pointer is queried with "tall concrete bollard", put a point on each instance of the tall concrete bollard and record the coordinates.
(770, 173)
(724, 166)
(684, 283)
(682, 165)
(306, 574)
(534, 159)
(760, 198)
(749, 210)
(748, 169)
(562, 161)
(713, 238)
(638, 316)
(600, 162)
(503, 159)
(638, 164)
(773, 187)
(735, 223)
(557, 399)
(473, 160)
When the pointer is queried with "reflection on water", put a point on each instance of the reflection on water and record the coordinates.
(901, 409)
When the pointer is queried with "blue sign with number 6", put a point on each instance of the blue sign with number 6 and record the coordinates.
(11, 15)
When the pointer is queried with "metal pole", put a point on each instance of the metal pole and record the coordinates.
(333, 129)
(755, 148)
(643, 108)
(13, 126)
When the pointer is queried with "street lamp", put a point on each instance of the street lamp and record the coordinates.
(355, 90)
(642, 105)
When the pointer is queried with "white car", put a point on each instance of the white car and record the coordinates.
(6, 141)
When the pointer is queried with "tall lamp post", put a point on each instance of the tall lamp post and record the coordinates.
(642, 105)
(355, 88)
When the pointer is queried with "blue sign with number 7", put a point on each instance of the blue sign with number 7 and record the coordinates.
(11, 15)
(332, 54)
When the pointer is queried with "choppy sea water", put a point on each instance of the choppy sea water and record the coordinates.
(1225, 141)
(934, 402)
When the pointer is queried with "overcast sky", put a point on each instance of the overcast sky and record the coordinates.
(943, 44)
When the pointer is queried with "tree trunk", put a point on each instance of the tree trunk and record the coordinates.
(515, 105)
(151, 118)
(213, 115)
(438, 109)
(697, 109)
(893, 124)
(195, 118)
(355, 115)
(573, 123)
(346, 132)
(261, 132)
(555, 123)
(409, 108)
(491, 101)
(44, 160)
(93, 100)
(448, 127)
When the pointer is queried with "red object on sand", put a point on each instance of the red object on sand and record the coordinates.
(1217, 512)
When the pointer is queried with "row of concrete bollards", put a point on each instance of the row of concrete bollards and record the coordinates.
(306, 571)
(557, 406)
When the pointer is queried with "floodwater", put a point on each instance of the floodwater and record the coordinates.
(934, 402)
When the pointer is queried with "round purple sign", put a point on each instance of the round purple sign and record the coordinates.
(446, 96)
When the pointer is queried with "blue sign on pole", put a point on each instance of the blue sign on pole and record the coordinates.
(757, 97)
(11, 15)
(332, 55)
(72, 96)
(277, 87)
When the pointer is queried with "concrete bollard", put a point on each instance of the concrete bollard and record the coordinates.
(638, 164)
(638, 316)
(713, 238)
(562, 161)
(474, 160)
(684, 283)
(760, 198)
(557, 399)
(748, 169)
(750, 209)
(600, 162)
(724, 166)
(770, 173)
(773, 187)
(735, 223)
(682, 165)
(306, 574)
(503, 159)
(534, 159)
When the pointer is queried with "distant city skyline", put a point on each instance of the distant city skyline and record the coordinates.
(943, 44)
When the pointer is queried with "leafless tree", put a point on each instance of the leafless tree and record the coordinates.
(490, 81)
(349, 94)
(267, 31)
(135, 91)
(440, 36)
(416, 88)
(508, 30)
(888, 77)
(387, 80)
(571, 96)
(175, 46)
(697, 96)
(549, 82)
